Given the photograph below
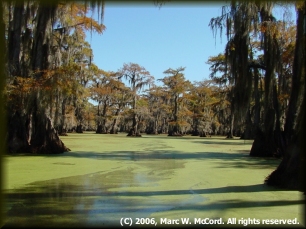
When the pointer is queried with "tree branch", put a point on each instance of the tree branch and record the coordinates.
(256, 65)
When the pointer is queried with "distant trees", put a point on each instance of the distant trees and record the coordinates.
(159, 110)
(223, 92)
(112, 96)
(121, 97)
(176, 86)
(201, 102)
(138, 77)
(101, 92)
(176, 107)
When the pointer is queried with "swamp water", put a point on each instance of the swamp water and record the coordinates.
(152, 180)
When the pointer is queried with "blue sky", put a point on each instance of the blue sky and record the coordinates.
(173, 36)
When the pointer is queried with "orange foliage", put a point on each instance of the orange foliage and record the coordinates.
(75, 15)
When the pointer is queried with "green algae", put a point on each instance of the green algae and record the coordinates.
(108, 177)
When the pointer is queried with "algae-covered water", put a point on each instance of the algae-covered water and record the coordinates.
(114, 180)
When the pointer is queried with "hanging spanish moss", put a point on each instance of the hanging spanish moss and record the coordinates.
(241, 18)
(291, 171)
(273, 138)
(265, 142)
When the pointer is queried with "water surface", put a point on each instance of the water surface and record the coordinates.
(109, 177)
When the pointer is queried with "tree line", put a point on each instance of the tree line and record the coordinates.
(256, 88)
(175, 106)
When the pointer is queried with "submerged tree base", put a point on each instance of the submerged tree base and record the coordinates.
(133, 134)
(260, 147)
(287, 174)
(79, 129)
(175, 134)
(44, 141)
(152, 132)
(204, 135)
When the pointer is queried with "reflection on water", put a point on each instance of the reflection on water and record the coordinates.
(159, 178)
(93, 199)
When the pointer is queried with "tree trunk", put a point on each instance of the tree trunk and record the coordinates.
(62, 130)
(203, 134)
(114, 128)
(102, 129)
(248, 131)
(18, 120)
(257, 102)
(230, 134)
(164, 127)
(264, 145)
(287, 174)
(174, 130)
(41, 47)
(44, 138)
(35, 132)
(14, 43)
(153, 126)
(99, 128)
(267, 146)
(79, 129)
(18, 132)
(3, 118)
(195, 131)
(79, 117)
(134, 130)
(156, 125)
(150, 127)
(291, 171)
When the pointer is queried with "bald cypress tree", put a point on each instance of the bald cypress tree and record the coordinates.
(30, 27)
(241, 19)
(29, 127)
(291, 171)
(265, 143)
(138, 78)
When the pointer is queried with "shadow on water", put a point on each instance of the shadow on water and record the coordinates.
(60, 190)
(222, 142)
(218, 140)
(240, 157)
(90, 200)
(102, 198)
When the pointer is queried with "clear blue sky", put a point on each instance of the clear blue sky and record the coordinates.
(173, 36)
